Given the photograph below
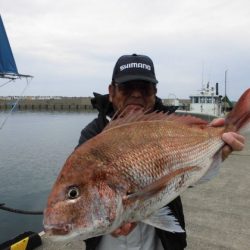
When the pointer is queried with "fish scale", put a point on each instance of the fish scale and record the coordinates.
(203, 162)
(127, 159)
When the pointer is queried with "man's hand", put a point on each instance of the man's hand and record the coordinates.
(234, 141)
(124, 230)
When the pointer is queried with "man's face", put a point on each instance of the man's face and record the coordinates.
(132, 95)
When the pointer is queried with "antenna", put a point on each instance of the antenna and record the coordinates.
(225, 101)
(202, 75)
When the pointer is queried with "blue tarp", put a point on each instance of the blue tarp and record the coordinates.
(7, 61)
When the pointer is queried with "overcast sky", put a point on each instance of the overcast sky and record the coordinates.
(71, 46)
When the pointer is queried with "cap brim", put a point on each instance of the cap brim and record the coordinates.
(128, 78)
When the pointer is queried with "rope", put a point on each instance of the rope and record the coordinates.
(10, 112)
(19, 211)
(6, 82)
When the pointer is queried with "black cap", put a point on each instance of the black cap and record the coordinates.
(134, 67)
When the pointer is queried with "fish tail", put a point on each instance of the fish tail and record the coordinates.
(239, 118)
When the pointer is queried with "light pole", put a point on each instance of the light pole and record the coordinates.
(225, 92)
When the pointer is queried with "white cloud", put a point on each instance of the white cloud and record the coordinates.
(78, 42)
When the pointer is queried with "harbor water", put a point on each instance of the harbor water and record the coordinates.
(33, 148)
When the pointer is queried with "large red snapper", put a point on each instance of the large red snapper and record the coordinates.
(135, 167)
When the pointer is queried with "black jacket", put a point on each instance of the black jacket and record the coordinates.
(170, 241)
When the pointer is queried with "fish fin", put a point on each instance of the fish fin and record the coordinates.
(155, 187)
(165, 220)
(140, 115)
(213, 170)
(239, 118)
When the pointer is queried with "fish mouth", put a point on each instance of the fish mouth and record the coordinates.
(57, 229)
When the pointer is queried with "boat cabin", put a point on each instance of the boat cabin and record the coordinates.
(207, 101)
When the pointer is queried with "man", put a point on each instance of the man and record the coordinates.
(133, 87)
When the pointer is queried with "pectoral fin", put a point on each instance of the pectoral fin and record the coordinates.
(155, 187)
(164, 220)
(213, 169)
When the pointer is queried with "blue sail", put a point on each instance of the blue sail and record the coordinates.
(7, 61)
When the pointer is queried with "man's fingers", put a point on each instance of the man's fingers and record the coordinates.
(124, 230)
(234, 140)
(218, 122)
(226, 151)
(116, 233)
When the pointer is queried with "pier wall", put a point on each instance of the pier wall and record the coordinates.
(62, 104)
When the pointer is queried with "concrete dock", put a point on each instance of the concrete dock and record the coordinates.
(217, 213)
(46, 104)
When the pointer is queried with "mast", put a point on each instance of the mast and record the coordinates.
(225, 98)
(8, 68)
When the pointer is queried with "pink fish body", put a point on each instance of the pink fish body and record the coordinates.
(135, 167)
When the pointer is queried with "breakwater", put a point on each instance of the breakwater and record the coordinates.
(58, 103)
(38, 104)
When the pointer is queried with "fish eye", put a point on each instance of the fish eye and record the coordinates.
(73, 193)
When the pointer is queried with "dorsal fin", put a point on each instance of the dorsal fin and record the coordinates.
(140, 116)
(239, 117)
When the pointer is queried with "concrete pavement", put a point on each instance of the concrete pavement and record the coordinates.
(218, 213)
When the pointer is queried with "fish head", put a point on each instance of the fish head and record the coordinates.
(82, 207)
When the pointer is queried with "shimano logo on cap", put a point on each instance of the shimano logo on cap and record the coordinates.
(135, 65)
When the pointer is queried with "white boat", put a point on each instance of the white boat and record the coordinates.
(207, 101)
